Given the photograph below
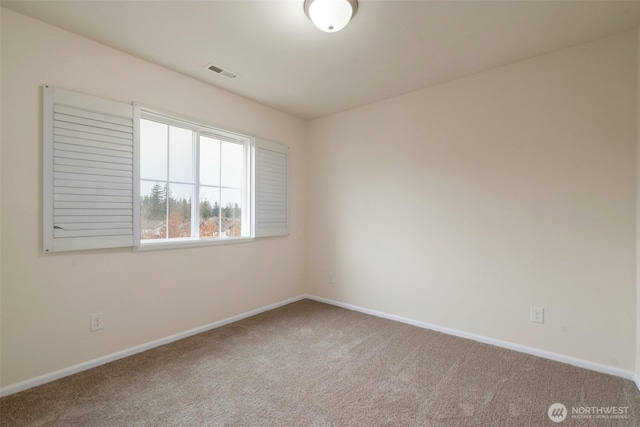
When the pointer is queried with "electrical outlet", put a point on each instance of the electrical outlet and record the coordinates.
(537, 314)
(97, 321)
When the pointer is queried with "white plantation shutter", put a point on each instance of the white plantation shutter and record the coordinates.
(88, 172)
(271, 189)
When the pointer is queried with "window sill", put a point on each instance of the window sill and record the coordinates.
(188, 243)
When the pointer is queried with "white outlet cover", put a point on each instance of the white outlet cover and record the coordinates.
(97, 321)
(537, 314)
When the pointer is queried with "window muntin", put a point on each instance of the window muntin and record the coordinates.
(182, 162)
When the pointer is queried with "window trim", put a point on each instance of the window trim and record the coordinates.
(201, 128)
(178, 243)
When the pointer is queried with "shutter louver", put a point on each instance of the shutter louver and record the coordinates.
(88, 172)
(271, 189)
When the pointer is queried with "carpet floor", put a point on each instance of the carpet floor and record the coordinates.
(312, 364)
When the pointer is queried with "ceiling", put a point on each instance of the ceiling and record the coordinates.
(283, 61)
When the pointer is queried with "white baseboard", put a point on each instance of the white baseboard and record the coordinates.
(581, 363)
(52, 376)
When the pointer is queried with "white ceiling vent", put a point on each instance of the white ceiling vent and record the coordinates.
(228, 74)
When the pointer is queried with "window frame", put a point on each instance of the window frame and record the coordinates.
(199, 128)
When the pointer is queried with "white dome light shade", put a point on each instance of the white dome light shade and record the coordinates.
(330, 15)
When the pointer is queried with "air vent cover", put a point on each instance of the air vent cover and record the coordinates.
(228, 74)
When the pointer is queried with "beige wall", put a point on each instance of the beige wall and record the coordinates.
(638, 223)
(47, 299)
(464, 204)
(1, 203)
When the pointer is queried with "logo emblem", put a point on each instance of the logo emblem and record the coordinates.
(557, 412)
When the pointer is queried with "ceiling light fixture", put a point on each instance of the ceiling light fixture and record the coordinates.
(330, 15)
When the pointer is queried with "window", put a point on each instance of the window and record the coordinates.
(117, 176)
(194, 181)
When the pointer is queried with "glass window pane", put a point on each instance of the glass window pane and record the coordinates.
(153, 210)
(153, 150)
(169, 188)
(209, 161)
(231, 164)
(179, 198)
(231, 224)
(180, 155)
(209, 211)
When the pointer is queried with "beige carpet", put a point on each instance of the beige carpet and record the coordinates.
(311, 364)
